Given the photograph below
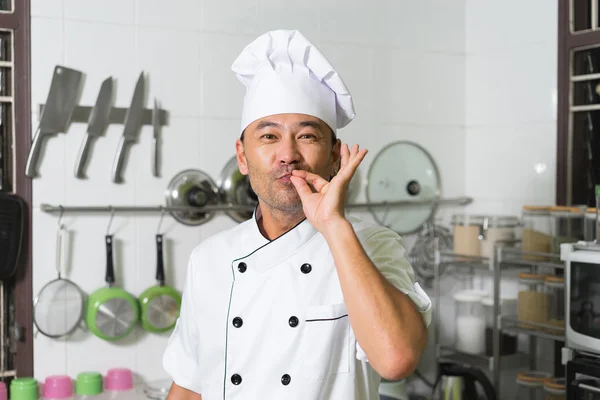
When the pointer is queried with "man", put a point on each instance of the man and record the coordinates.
(298, 302)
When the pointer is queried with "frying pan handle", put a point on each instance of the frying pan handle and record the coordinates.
(110, 270)
(160, 265)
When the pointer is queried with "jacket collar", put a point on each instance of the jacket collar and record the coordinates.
(264, 253)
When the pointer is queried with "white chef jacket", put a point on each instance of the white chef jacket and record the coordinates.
(266, 319)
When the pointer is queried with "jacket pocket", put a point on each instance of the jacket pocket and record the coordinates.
(326, 341)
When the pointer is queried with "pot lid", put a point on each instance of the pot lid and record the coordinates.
(194, 188)
(235, 189)
(402, 171)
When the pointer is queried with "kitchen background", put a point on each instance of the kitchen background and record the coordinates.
(472, 81)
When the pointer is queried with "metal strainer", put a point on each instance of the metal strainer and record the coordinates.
(58, 308)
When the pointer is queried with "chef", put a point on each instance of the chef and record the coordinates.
(300, 301)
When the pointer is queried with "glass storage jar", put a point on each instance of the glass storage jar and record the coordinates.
(555, 389)
(508, 308)
(567, 225)
(530, 385)
(494, 229)
(533, 302)
(590, 225)
(470, 323)
(555, 288)
(466, 231)
(537, 232)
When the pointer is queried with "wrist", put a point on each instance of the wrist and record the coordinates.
(335, 227)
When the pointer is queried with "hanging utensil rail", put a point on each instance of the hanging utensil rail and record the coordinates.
(48, 208)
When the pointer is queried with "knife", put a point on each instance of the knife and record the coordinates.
(133, 122)
(97, 124)
(155, 139)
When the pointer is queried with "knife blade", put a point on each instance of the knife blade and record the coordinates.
(155, 138)
(133, 122)
(97, 124)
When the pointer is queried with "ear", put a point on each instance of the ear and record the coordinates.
(241, 157)
(336, 157)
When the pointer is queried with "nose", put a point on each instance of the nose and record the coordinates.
(288, 152)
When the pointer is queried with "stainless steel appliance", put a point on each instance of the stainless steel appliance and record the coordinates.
(582, 297)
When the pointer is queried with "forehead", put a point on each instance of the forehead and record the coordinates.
(288, 121)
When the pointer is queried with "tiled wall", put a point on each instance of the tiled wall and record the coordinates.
(403, 60)
(511, 66)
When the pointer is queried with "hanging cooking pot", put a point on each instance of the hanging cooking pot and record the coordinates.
(192, 188)
(112, 312)
(235, 189)
(160, 304)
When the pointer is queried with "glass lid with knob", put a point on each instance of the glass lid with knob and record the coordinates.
(403, 171)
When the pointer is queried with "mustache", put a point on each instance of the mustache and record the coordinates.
(286, 170)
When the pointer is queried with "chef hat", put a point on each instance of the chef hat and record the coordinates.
(284, 73)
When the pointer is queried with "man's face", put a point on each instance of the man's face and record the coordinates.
(274, 146)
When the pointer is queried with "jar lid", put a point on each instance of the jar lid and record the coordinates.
(555, 281)
(533, 378)
(158, 390)
(555, 385)
(590, 213)
(565, 211)
(469, 296)
(465, 219)
(531, 278)
(504, 299)
(544, 209)
(501, 221)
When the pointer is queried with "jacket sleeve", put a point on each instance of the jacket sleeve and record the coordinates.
(384, 248)
(180, 359)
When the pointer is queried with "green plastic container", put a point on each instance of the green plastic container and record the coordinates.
(24, 389)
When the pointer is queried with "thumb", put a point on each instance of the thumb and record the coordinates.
(301, 187)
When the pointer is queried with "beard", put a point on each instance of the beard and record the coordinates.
(276, 193)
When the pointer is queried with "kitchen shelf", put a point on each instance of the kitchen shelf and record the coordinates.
(464, 261)
(507, 256)
(516, 257)
(511, 325)
(481, 360)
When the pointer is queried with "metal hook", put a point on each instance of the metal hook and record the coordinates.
(62, 211)
(162, 214)
(112, 214)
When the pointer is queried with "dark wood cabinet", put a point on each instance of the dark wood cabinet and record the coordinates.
(578, 113)
(16, 332)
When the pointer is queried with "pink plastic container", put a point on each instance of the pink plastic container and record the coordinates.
(119, 380)
(57, 387)
(3, 392)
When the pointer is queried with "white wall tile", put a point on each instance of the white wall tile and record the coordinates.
(433, 25)
(348, 21)
(45, 55)
(47, 8)
(174, 74)
(512, 162)
(222, 93)
(230, 16)
(112, 54)
(303, 16)
(419, 88)
(180, 14)
(512, 86)
(180, 149)
(114, 11)
(355, 65)
(493, 25)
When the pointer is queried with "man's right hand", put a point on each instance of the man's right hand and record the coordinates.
(179, 393)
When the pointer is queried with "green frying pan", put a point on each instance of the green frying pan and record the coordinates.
(111, 313)
(160, 304)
